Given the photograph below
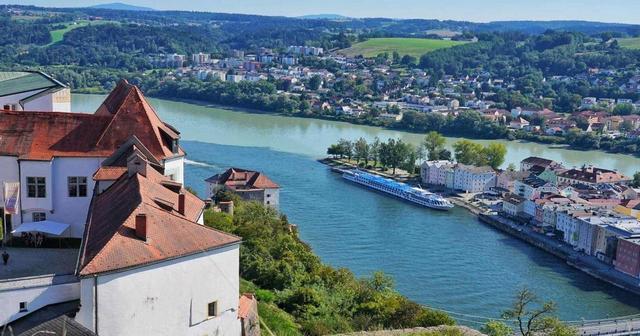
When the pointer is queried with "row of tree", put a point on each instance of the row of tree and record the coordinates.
(395, 153)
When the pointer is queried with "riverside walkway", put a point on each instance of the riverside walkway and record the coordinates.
(625, 326)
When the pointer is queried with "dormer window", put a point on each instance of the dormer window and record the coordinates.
(175, 146)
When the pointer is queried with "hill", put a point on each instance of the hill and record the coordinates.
(324, 17)
(404, 46)
(121, 6)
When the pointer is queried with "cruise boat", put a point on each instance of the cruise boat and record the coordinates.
(401, 190)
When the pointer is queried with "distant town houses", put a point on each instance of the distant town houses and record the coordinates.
(250, 185)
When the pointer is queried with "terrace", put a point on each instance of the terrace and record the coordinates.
(38, 262)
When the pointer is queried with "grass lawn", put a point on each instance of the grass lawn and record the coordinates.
(58, 34)
(630, 43)
(404, 46)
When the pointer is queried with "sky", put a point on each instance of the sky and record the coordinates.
(621, 11)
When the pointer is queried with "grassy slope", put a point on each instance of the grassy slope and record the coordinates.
(58, 34)
(404, 46)
(631, 43)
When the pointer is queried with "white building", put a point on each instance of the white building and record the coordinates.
(473, 179)
(52, 156)
(435, 172)
(248, 184)
(532, 187)
(33, 91)
(149, 268)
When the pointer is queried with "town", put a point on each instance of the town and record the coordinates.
(592, 210)
(384, 90)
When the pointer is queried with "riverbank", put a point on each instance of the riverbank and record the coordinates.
(587, 264)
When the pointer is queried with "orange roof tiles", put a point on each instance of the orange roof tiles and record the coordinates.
(110, 242)
(109, 173)
(44, 135)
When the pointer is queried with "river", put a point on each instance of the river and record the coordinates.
(446, 260)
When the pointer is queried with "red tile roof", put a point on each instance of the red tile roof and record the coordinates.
(110, 242)
(247, 302)
(109, 173)
(242, 179)
(44, 135)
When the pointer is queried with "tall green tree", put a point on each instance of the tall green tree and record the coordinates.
(433, 143)
(361, 150)
(494, 154)
(468, 152)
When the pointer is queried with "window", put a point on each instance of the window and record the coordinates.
(36, 187)
(212, 309)
(23, 306)
(39, 216)
(77, 186)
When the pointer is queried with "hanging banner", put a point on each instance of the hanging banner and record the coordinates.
(11, 197)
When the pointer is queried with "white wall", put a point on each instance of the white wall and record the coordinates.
(175, 167)
(35, 169)
(168, 298)
(58, 206)
(59, 101)
(72, 210)
(272, 196)
(13, 292)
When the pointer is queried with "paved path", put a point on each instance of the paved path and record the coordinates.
(610, 327)
(30, 262)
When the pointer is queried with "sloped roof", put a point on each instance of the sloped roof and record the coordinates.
(25, 81)
(240, 179)
(109, 173)
(132, 115)
(110, 242)
(44, 135)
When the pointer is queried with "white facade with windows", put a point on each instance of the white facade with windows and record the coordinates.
(116, 303)
(55, 190)
(473, 179)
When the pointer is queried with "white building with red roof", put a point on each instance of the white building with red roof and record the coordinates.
(250, 185)
(48, 158)
(147, 267)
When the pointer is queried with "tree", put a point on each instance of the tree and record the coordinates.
(496, 328)
(361, 150)
(536, 320)
(468, 152)
(494, 154)
(346, 148)
(334, 150)
(511, 167)
(624, 109)
(445, 154)
(374, 151)
(315, 82)
(636, 180)
(433, 144)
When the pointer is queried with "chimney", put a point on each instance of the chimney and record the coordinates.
(181, 201)
(141, 226)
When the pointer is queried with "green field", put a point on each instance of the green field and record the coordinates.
(58, 34)
(404, 46)
(630, 43)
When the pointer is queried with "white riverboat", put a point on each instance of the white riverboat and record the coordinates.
(398, 189)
